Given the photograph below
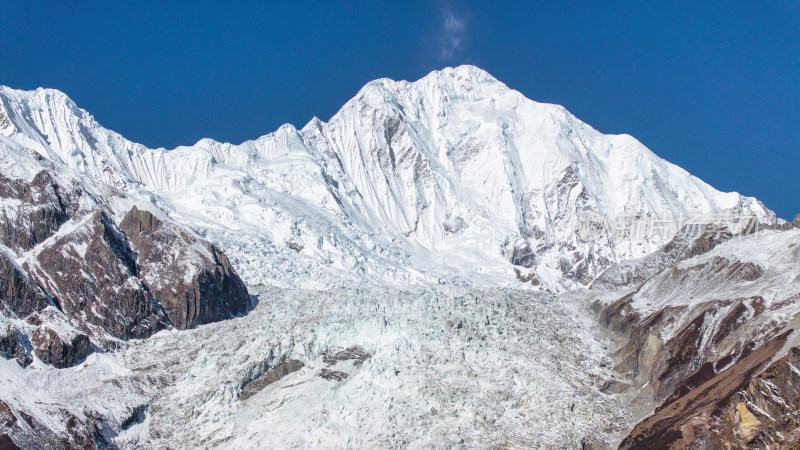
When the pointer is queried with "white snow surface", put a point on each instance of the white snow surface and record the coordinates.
(353, 222)
(440, 180)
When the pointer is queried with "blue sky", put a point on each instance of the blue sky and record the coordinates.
(711, 86)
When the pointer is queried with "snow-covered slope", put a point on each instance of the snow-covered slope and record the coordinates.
(453, 177)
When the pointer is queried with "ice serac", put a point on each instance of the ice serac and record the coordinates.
(455, 176)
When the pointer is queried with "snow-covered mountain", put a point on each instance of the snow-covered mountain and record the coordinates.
(398, 253)
(454, 177)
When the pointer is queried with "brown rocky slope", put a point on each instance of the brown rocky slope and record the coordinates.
(705, 330)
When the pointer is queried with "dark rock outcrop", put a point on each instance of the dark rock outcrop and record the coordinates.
(356, 354)
(663, 364)
(60, 350)
(43, 207)
(106, 282)
(691, 240)
(523, 256)
(192, 279)
(96, 279)
(333, 375)
(529, 278)
(698, 350)
(12, 347)
(744, 406)
(796, 221)
(710, 236)
(18, 295)
(766, 412)
(696, 331)
(7, 443)
(272, 375)
(754, 226)
(19, 430)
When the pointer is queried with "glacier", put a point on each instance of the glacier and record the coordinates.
(448, 366)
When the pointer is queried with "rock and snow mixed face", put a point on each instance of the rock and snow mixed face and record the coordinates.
(428, 366)
(453, 177)
(84, 268)
(697, 327)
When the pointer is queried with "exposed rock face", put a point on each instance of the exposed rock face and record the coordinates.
(60, 349)
(192, 279)
(18, 295)
(523, 256)
(11, 346)
(355, 354)
(698, 325)
(43, 207)
(691, 241)
(765, 412)
(19, 430)
(744, 406)
(96, 278)
(527, 278)
(664, 363)
(667, 344)
(272, 375)
(333, 375)
(796, 221)
(7, 443)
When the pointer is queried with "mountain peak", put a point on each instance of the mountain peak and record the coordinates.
(438, 88)
(463, 71)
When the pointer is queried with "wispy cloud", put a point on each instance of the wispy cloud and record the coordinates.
(452, 34)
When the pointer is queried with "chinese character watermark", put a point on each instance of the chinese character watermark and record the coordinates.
(592, 226)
